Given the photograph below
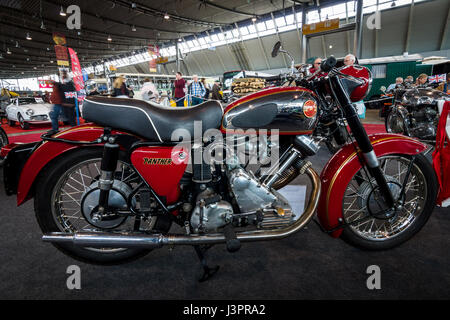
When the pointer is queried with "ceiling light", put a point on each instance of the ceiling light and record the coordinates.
(62, 13)
(8, 51)
(254, 19)
(17, 44)
(133, 28)
(28, 36)
(109, 38)
(179, 40)
(331, 46)
(51, 61)
(34, 68)
(42, 25)
(166, 16)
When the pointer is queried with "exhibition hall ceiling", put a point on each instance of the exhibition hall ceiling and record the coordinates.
(111, 27)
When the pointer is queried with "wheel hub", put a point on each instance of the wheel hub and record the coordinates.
(117, 200)
(370, 197)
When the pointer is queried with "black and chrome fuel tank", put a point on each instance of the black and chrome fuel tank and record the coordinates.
(291, 110)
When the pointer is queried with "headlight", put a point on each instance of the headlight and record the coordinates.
(30, 112)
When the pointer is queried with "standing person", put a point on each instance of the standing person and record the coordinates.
(196, 90)
(207, 91)
(422, 80)
(149, 91)
(215, 91)
(56, 99)
(68, 104)
(120, 89)
(349, 60)
(179, 91)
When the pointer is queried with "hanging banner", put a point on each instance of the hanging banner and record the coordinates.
(77, 75)
(153, 51)
(45, 84)
(322, 26)
(62, 59)
(161, 60)
(59, 38)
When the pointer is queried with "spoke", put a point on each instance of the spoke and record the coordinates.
(73, 187)
(74, 200)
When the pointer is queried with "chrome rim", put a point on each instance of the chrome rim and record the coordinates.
(360, 199)
(67, 195)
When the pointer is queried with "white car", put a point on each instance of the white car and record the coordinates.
(28, 110)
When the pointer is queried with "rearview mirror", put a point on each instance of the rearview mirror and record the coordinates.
(276, 49)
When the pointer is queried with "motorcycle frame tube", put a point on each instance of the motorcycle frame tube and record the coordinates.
(103, 239)
(341, 168)
(362, 139)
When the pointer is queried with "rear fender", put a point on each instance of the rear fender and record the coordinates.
(49, 151)
(341, 168)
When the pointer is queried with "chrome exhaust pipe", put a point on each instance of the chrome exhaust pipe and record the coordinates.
(139, 240)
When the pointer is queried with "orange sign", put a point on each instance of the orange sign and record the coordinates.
(59, 38)
(161, 60)
(321, 26)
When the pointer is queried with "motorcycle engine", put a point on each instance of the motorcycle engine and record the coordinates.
(211, 212)
(424, 122)
(263, 206)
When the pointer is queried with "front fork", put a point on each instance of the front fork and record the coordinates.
(362, 139)
(108, 167)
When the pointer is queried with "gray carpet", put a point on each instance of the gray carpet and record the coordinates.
(307, 265)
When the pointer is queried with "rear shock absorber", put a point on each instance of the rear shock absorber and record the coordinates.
(108, 167)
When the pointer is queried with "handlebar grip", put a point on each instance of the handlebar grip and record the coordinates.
(328, 64)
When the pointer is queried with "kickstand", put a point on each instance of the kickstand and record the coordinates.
(207, 271)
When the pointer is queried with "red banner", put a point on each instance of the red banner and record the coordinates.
(61, 55)
(77, 75)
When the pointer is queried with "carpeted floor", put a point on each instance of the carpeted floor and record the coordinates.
(307, 265)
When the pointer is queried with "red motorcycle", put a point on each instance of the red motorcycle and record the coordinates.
(109, 191)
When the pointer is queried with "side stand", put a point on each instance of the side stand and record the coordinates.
(207, 271)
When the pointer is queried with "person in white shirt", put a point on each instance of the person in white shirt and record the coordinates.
(149, 91)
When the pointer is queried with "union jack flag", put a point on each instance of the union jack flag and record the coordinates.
(437, 78)
(70, 94)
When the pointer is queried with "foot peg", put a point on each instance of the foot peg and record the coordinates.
(233, 243)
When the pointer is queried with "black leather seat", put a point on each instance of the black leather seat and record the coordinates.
(150, 120)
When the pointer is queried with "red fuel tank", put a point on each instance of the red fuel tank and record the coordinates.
(292, 110)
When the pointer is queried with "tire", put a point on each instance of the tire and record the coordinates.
(355, 239)
(3, 138)
(48, 180)
(24, 125)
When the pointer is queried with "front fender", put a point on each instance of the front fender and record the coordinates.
(341, 168)
(50, 150)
